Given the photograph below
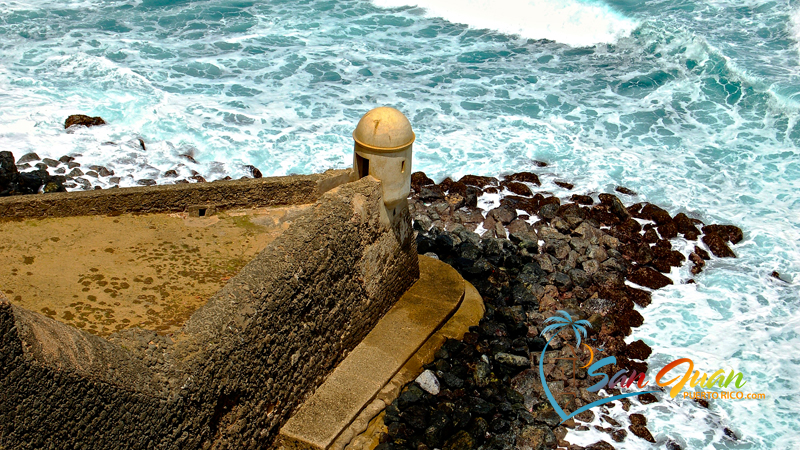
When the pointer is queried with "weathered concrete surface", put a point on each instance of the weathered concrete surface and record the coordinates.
(104, 274)
(387, 348)
(241, 364)
(250, 193)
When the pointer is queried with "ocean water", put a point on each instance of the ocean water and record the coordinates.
(692, 104)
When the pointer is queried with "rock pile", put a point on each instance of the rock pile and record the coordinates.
(32, 174)
(529, 257)
(14, 182)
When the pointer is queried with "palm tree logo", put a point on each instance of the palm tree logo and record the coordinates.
(578, 328)
(559, 321)
(566, 321)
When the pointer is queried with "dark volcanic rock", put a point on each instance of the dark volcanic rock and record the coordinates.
(717, 245)
(638, 350)
(460, 441)
(615, 206)
(642, 432)
(564, 184)
(503, 214)
(51, 162)
(668, 230)
(650, 278)
(253, 171)
(517, 188)
(481, 182)
(9, 175)
(582, 199)
(29, 157)
(81, 119)
(188, 157)
(686, 226)
(74, 173)
(419, 179)
(431, 193)
(729, 233)
(536, 437)
(624, 190)
(489, 389)
(102, 171)
(526, 177)
(654, 213)
(13, 182)
(600, 445)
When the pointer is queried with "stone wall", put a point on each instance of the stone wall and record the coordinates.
(249, 193)
(240, 365)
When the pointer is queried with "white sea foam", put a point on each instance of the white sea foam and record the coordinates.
(795, 29)
(571, 22)
(281, 86)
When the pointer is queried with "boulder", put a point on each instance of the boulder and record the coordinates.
(526, 177)
(84, 120)
(517, 188)
(582, 199)
(624, 190)
(29, 157)
(564, 184)
(717, 245)
(419, 179)
(431, 193)
(729, 233)
(253, 171)
(478, 181)
(648, 277)
(9, 175)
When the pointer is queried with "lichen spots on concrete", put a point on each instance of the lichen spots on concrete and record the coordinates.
(104, 274)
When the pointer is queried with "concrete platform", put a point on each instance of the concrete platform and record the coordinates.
(358, 387)
(103, 274)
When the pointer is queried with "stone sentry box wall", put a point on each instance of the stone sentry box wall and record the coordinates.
(240, 365)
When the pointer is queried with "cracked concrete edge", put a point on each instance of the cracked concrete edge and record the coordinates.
(364, 432)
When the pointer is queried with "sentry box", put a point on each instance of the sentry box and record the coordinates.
(383, 139)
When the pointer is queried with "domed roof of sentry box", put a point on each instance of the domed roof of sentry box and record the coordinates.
(384, 129)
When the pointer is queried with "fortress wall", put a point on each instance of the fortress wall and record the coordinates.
(272, 334)
(241, 364)
(80, 390)
(250, 193)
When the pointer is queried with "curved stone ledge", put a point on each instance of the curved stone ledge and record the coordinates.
(404, 339)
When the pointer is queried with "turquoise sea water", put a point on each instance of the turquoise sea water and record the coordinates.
(694, 105)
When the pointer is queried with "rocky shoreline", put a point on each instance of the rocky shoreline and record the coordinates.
(31, 174)
(530, 256)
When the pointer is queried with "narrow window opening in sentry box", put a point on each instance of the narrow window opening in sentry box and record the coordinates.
(362, 165)
(201, 212)
(403, 166)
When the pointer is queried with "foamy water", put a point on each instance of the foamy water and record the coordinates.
(694, 105)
